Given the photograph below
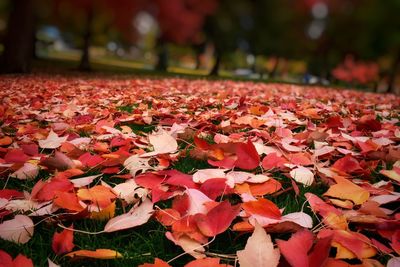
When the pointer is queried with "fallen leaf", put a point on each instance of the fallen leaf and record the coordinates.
(218, 219)
(259, 250)
(22, 261)
(27, 171)
(98, 195)
(295, 250)
(18, 230)
(157, 263)
(189, 245)
(302, 175)
(135, 217)
(262, 207)
(162, 143)
(52, 141)
(345, 189)
(206, 262)
(102, 254)
(63, 242)
(248, 157)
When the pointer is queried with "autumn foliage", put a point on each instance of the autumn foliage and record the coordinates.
(111, 151)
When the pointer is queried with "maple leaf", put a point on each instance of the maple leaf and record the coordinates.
(52, 141)
(18, 230)
(259, 250)
(63, 242)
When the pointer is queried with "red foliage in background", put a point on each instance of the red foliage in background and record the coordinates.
(359, 72)
(181, 21)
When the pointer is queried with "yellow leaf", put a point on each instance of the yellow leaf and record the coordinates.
(103, 254)
(104, 214)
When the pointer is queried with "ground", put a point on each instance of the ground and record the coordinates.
(148, 168)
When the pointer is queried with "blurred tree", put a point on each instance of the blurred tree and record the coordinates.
(94, 19)
(19, 38)
(180, 22)
(278, 32)
(227, 28)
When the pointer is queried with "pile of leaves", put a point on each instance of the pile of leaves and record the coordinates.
(291, 176)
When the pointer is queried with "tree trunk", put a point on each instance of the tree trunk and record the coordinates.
(393, 72)
(84, 64)
(18, 44)
(162, 62)
(215, 69)
(273, 72)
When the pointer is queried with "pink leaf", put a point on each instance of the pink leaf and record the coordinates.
(18, 230)
(259, 250)
(135, 217)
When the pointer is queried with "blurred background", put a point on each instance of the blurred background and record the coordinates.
(346, 42)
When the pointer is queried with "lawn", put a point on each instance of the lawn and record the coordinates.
(122, 171)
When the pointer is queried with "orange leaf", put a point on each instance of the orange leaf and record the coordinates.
(345, 189)
(63, 242)
(67, 200)
(102, 254)
(99, 195)
(5, 141)
(263, 207)
(104, 214)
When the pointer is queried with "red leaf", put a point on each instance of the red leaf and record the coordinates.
(227, 163)
(10, 193)
(149, 180)
(217, 219)
(90, 160)
(22, 261)
(5, 259)
(63, 242)
(49, 189)
(347, 164)
(263, 207)
(178, 178)
(157, 263)
(272, 161)
(206, 262)
(16, 156)
(320, 253)
(248, 157)
(215, 187)
(296, 248)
